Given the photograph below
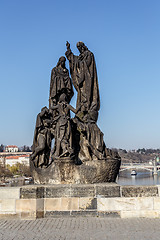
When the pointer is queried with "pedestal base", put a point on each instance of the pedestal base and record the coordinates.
(66, 172)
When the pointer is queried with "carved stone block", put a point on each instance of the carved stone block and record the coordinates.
(107, 190)
(139, 191)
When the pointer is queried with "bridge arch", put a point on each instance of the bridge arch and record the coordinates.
(136, 168)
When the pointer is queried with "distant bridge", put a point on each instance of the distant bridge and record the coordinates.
(136, 166)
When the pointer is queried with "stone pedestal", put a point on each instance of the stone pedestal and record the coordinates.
(66, 172)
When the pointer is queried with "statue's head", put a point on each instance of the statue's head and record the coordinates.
(44, 110)
(81, 47)
(61, 62)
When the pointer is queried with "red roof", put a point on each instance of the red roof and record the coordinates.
(12, 157)
(11, 146)
(16, 157)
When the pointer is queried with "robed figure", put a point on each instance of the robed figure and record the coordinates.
(60, 83)
(63, 131)
(84, 77)
(60, 89)
(42, 139)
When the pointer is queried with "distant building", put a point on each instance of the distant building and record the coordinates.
(11, 148)
(12, 160)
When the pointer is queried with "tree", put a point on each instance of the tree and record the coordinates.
(25, 170)
(20, 169)
(14, 169)
(5, 172)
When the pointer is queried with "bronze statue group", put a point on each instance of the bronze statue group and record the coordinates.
(77, 138)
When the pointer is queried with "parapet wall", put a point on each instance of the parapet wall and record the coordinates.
(107, 200)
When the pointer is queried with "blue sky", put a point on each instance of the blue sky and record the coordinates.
(125, 39)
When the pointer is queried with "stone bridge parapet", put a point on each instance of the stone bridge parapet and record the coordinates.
(108, 200)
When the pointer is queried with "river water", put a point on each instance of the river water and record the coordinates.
(142, 178)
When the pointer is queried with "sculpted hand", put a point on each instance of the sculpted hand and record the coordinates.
(68, 45)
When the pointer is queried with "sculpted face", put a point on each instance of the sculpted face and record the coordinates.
(80, 48)
(63, 63)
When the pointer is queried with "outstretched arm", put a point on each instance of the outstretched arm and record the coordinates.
(68, 45)
(68, 53)
(73, 109)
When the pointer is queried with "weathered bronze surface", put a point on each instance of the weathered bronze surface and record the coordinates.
(79, 154)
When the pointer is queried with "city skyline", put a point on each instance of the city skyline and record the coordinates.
(124, 37)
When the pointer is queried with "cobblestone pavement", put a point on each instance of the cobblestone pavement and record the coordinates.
(80, 228)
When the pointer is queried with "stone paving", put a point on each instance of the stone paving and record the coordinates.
(86, 228)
